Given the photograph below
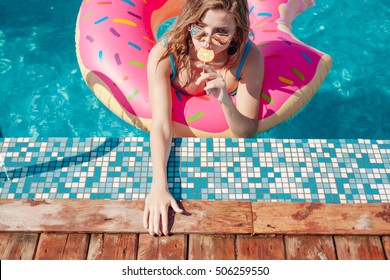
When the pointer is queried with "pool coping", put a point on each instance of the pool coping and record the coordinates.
(200, 217)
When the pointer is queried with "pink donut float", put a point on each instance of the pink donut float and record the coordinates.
(113, 40)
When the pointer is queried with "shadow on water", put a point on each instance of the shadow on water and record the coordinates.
(174, 178)
(59, 164)
(173, 167)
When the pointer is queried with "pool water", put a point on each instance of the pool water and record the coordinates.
(43, 95)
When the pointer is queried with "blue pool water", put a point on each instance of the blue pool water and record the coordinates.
(42, 92)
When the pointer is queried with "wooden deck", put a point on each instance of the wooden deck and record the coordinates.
(106, 229)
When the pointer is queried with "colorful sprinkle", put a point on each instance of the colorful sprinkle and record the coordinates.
(267, 98)
(104, 3)
(129, 2)
(286, 81)
(148, 39)
(135, 46)
(118, 59)
(89, 38)
(136, 63)
(284, 40)
(269, 30)
(134, 15)
(134, 94)
(101, 56)
(262, 24)
(299, 73)
(273, 56)
(101, 20)
(195, 117)
(124, 21)
(306, 57)
(113, 31)
(251, 9)
(87, 15)
(264, 14)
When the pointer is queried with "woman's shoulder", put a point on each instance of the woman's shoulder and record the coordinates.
(254, 60)
(254, 54)
(156, 53)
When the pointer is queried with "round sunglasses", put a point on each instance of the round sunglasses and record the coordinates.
(219, 39)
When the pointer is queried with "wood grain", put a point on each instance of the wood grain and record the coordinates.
(359, 248)
(209, 217)
(110, 246)
(211, 247)
(162, 248)
(260, 248)
(62, 246)
(114, 216)
(310, 248)
(386, 246)
(17, 246)
(318, 218)
(59, 215)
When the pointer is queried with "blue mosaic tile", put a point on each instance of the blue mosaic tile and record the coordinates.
(328, 171)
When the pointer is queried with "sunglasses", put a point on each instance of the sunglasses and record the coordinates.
(219, 39)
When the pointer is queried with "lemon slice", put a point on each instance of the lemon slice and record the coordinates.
(205, 55)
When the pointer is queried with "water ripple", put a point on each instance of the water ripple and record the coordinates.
(5, 65)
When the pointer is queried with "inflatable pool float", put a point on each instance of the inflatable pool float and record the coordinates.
(113, 39)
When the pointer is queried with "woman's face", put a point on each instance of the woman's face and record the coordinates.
(214, 22)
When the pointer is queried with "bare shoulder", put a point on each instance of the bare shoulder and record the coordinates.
(254, 61)
(157, 51)
(154, 57)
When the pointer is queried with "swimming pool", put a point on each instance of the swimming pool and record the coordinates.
(44, 95)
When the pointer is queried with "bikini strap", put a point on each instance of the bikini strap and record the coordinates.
(173, 76)
(246, 51)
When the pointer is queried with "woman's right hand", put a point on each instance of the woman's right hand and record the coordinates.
(157, 204)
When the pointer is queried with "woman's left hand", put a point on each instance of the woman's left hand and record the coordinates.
(215, 83)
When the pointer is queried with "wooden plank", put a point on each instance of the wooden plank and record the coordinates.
(359, 248)
(62, 246)
(114, 216)
(211, 247)
(208, 217)
(318, 218)
(17, 246)
(59, 215)
(162, 248)
(310, 248)
(109, 246)
(386, 246)
(260, 248)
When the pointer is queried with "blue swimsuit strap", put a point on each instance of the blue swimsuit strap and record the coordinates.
(173, 76)
(246, 51)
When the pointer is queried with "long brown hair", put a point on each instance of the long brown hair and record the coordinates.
(179, 39)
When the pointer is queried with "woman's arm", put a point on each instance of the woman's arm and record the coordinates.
(242, 118)
(159, 199)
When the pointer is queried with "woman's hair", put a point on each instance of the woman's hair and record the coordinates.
(179, 39)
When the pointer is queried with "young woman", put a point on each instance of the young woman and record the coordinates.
(223, 27)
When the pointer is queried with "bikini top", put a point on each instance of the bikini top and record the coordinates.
(238, 73)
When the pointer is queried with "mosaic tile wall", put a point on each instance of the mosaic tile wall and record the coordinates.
(329, 171)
